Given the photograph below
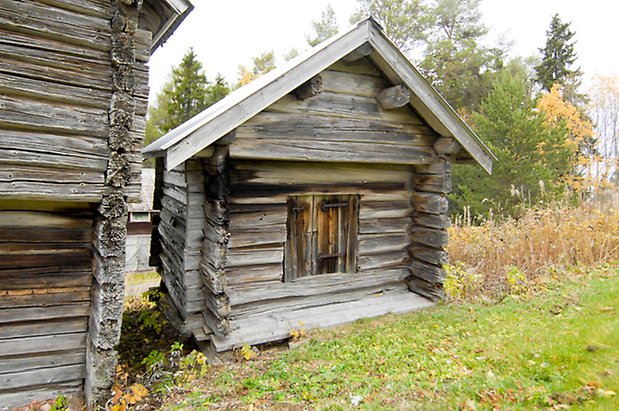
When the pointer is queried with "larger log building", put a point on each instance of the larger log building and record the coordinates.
(315, 195)
(73, 97)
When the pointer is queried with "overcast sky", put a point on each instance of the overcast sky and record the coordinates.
(227, 33)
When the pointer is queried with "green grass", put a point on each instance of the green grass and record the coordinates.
(554, 349)
(141, 278)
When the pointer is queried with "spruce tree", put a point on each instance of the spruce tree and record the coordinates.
(558, 58)
(187, 93)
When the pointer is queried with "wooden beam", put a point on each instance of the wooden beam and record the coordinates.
(310, 88)
(446, 145)
(357, 54)
(393, 97)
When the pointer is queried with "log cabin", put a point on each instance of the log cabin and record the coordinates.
(73, 98)
(311, 197)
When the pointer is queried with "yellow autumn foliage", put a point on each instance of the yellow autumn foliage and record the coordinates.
(559, 111)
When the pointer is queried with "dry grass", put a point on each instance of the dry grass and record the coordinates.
(501, 257)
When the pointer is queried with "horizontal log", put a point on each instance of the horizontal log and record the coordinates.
(274, 307)
(361, 66)
(330, 151)
(446, 145)
(267, 125)
(393, 97)
(433, 291)
(429, 255)
(382, 243)
(384, 225)
(40, 344)
(276, 326)
(38, 234)
(27, 363)
(427, 272)
(28, 114)
(430, 203)
(275, 219)
(42, 297)
(429, 236)
(51, 22)
(320, 174)
(16, 398)
(79, 258)
(393, 259)
(43, 376)
(271, 254)
(315, 285)
(23, 174)
(310, 88)
(438, 221)
(385, 209)
(257, 237)
(43, 278)
(352, 83)
(54, 61)
(342, 105)
(253, 275)
(38, 328)
(51, 91)
(432, 183)
(97, 8)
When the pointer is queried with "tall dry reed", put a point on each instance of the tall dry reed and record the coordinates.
(505, 256)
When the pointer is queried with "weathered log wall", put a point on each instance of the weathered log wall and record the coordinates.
(431, 220)
(45, 285)
(73, 96)
(56, 84)
(179, 231)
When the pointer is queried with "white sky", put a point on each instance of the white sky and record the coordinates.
(227, 33)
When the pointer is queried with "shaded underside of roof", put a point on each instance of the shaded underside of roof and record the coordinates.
(239, 106)
(162, 17)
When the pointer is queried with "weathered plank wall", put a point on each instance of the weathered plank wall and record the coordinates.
(45, 283)
(56, 84)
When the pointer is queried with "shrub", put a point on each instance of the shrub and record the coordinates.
(499, 257)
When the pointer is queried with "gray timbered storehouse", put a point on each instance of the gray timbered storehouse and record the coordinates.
(316, 195)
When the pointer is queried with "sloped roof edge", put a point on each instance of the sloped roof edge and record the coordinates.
(210, 125)
(171, 15)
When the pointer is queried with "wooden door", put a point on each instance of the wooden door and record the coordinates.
(322, 235)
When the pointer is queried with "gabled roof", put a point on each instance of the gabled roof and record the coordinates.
(162, 17)
(239, 106)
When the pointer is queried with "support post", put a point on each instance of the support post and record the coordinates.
(110, 230)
